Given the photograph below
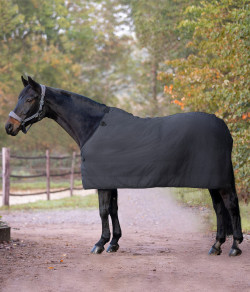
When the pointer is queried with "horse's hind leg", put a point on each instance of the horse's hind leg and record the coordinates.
(117, 233)
(230, 200)
(104, 197)
(224, 225)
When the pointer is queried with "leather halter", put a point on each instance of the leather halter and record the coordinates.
(36, 115)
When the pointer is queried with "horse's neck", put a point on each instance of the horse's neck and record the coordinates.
(77, 115)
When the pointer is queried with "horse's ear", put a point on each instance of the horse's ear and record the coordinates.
(36, 86)
(25, 82)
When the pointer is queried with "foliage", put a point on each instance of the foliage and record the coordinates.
(72, 45)
(155, 25)
(215, 77)
(88, 47)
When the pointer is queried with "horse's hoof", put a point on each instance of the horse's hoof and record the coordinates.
(235, 252)
(113, 248)
(97, 249)
(215, 251)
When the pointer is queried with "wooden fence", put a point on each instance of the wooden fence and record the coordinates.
(46, 173)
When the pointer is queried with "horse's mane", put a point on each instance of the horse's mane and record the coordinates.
(75, 96)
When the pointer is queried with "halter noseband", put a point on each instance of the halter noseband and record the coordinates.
(36, 115)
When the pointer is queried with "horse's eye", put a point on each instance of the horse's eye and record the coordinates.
(29, 100)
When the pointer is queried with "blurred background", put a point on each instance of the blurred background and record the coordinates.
(151, 58)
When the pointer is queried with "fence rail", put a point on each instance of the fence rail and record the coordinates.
(43, 192)
(7, 175)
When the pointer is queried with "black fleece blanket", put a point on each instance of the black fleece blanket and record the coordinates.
(182, 150)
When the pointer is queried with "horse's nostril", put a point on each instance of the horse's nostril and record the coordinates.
(9, 127)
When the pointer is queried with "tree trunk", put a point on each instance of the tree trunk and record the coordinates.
(154, 88)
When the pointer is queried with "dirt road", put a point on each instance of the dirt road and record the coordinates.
(164, 248)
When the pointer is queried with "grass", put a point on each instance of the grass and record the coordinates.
(201, 198)
(90, 201)
(40, 185)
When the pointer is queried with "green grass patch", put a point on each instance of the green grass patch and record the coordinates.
(90, 201)
(245, 217)
(193, 197)
(201, 198)
(40, 185)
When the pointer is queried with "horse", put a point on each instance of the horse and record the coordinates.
(120, 150)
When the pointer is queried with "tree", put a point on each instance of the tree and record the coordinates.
(155, 24)
(214, 78)
(100, 47)
(31, 43)
(66, 44)
(10, 21)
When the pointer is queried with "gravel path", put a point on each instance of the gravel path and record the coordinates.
(164, 248)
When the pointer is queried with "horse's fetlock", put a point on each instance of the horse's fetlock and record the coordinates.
(103, 240)
(106, 238)
(221, 240)
(238, 240)
(117, 235)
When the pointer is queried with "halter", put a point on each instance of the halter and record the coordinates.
(36, 115)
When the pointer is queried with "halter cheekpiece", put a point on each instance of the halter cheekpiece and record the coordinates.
(36, 115)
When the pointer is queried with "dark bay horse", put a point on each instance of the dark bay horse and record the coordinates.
(122, 151)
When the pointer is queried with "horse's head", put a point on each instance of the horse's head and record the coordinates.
(28, 109)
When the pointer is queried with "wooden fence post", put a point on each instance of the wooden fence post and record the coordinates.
(6, 175)
(72, 173)
(48, 174)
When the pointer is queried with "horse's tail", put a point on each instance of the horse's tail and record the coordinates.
(233, 178)
(228, 222)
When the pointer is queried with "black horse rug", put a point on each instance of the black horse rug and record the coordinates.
(181, 150)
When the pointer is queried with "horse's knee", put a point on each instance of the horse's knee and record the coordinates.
(113, 211)
(104, 213)
(113, 207)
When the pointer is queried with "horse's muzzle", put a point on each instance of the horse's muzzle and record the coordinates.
(12, 126)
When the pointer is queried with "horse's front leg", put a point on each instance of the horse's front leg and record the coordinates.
(117, 233)
(104, 197)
